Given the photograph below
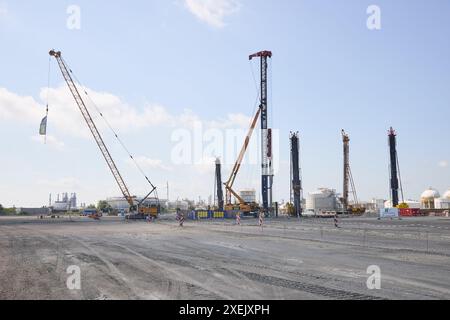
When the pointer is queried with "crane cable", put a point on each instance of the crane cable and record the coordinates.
(48, 97)
(112, 130)
(400, 178)
(251, 172)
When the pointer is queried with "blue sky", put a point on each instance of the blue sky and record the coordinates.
(151, 63)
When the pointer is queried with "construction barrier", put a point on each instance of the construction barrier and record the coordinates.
(389, 213)
(409, 212)
(217, 214)
(211, 214)
(202, 214)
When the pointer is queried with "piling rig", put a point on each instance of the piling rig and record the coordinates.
(266, 136)
(354, 208)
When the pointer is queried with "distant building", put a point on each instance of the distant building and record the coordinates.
(121, 204)
(444, 202)
(65, 203)
(179, 204)
(322, 200)
(413, 204)
(34, 211)
(249, 196)
(377, 204)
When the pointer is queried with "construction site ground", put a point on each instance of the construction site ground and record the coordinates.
(286, 259)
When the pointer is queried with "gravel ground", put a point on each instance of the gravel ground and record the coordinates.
(286, 259)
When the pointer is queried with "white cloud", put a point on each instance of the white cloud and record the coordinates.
(213, 12)
(149, 163)
(205, 165)
(233, 120)
(49, 140)
(15, 107)
(65, 117)
(443, 164)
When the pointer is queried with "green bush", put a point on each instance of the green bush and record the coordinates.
(7, 211)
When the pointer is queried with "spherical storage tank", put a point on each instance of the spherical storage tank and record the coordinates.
(428, 198)
(444, 202)
(322, 200)
(447, 195)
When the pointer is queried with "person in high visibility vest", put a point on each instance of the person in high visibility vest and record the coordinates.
(181, 220)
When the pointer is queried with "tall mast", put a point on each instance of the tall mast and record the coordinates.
(266, 135)
(296, 184)
(346, 143)
(393, 166)
(219, 185)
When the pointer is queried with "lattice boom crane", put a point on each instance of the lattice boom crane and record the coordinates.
(92, 127)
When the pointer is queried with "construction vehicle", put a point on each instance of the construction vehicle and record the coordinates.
(242, 206)
(355, 208)
(91, 213)
(136, 211)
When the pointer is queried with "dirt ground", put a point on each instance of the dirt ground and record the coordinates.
(287, 259)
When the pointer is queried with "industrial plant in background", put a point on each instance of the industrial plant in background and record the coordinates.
(64, 203)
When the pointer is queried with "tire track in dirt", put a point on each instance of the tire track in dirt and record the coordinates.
(177, 280)
(113, 273)
(27, 274)
(318, 290)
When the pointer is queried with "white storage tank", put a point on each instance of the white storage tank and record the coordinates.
(444, 202)
(428, 198)
(447, 195)
(322, 200)
(118, 203)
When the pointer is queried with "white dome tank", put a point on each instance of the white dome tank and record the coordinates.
(430, 194)
(447, 195)
(428, 198)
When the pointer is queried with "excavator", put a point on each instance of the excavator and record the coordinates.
(242, 206)
(136, 210)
